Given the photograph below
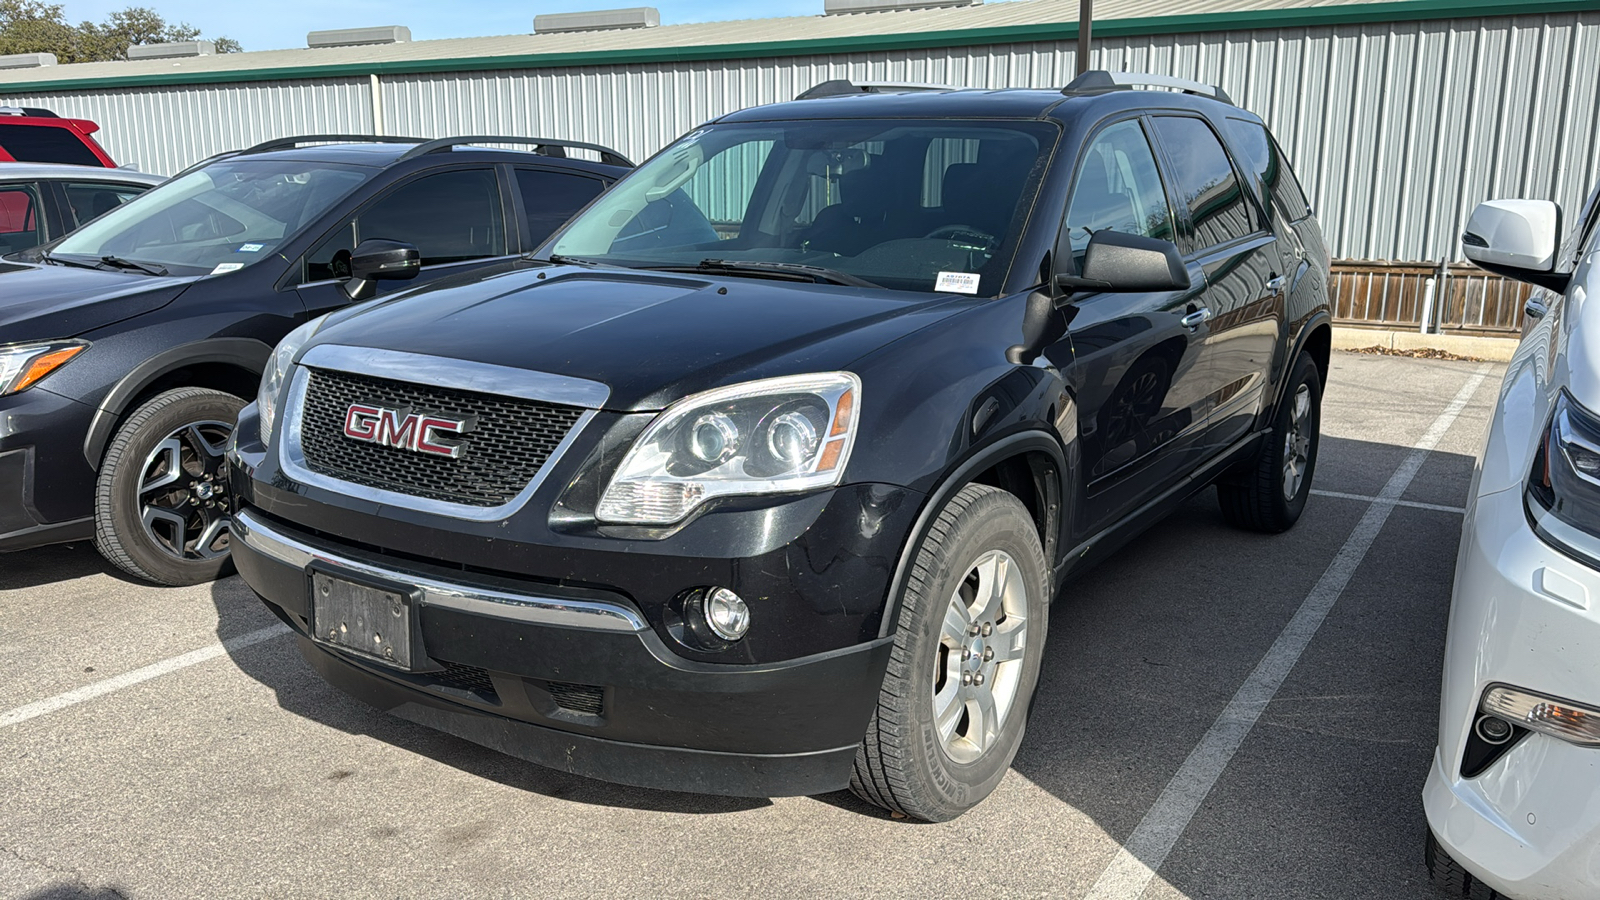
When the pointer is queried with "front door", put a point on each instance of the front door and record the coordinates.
(455, 218)
(1130, 358)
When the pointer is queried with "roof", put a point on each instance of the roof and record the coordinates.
(383, 155)
(20, 171)
(966, 103)
(989, 23)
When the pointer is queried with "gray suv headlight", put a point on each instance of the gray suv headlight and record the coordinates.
(24, 365)
(277, 373)
(775, 436)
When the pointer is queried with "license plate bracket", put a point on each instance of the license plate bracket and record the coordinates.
(369, 618)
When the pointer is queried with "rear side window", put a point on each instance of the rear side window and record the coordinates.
(449, 217)
(1206, 181)
(550, 198)
(19, 218)
(91, 201)
(36, 143)
(1118, 188)
(1270, 168)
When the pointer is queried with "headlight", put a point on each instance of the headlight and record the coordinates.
(24, 365)
(773, 436)
(277, 371)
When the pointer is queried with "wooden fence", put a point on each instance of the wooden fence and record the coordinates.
(1466, 299)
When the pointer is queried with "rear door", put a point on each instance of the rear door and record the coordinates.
(1224, 231)
(22, 220)
(457, 218)
(1131, 356)
(87, 200)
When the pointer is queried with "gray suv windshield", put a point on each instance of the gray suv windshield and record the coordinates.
(216, 219)
(909, 205)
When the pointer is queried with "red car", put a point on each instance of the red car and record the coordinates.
(39, 135)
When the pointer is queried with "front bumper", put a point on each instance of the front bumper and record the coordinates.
(578, 680)
(1525, 615)
(46, 485)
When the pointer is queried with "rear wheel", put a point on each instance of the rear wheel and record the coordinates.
(161, 510)
(967, 650)
(1271, 491)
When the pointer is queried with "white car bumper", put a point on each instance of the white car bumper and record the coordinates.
(1528, 616)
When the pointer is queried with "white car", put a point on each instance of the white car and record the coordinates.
(1513, 798)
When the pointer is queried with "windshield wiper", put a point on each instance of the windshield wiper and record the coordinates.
(64, 261)
(562, 260)
(120, 263)
(756, 266)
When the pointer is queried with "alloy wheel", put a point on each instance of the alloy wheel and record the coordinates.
(982, 641)
(1297, 443)
(183, 492)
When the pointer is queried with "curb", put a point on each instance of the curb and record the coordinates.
(1493, 349)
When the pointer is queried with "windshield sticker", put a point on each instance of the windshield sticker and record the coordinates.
(227, 267)
(957, 282)
(251, 248)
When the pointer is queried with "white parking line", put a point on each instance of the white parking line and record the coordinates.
(1135, 864)
(1411, 504)
(128, 679)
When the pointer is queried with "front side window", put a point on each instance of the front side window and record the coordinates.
(550, 198)
(901, 204)
(225, 216)
(1118, 188)
(449, 217)
(87, 202)
(46, 144)
(19, 218)
(1206, 182)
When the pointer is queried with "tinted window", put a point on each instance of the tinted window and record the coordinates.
(91, 201)
(550, 198)
(449, 217)
(1118, 188)
(37, 143)
(19, 218)
(1267, 163)
(1206, 182)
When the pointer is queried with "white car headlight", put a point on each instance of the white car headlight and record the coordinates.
(277, 373)
(24, 365)
(774, 436)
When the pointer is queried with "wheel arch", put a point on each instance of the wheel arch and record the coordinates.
(1315, 338)
(1030, 465)
(232, 365)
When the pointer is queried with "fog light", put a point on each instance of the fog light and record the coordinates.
(727, 615)
(1493, 729)
(1547, 715)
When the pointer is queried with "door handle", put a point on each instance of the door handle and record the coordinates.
(1276, 283)
(1196, 319)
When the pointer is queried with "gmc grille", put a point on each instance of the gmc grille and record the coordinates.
(511, 441)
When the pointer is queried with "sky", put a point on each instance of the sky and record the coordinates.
(282, 24)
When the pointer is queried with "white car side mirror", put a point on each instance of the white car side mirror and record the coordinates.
(1516, 238)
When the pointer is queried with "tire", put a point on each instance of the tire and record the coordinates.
(1454, 881)
(981, 538)
(1258, 497)
(144, 512)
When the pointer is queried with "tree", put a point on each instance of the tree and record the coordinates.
(32, 26)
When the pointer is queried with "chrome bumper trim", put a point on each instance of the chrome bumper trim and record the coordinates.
(587, 614)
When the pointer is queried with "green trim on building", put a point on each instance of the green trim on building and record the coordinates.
(1240, 20)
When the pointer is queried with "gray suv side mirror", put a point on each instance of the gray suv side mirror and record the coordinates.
(1517, 239)
(1127, 263)
(380, 260)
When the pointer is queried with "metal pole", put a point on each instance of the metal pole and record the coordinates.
(1085, 26)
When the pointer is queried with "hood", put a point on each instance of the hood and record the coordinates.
(651, 337)
(44, 302)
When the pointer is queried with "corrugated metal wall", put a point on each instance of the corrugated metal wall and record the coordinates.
(1398, 130)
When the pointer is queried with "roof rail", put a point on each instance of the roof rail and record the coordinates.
(542, 146)
(840, 87)
(1098, 80)
(289, 143)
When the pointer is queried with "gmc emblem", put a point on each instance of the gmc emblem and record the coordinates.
(404, 430)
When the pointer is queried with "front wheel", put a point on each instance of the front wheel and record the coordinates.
(161, 506)
(966, 658)
(1269, 494)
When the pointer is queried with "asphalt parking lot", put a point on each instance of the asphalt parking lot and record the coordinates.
(1247, 716)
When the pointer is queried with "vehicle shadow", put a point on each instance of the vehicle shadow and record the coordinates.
(1145, 651)
(49, 565)
(75, 892)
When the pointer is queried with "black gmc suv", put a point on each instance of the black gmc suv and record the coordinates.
(128, 346)
(783, 509)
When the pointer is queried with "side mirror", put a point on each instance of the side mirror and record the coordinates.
(380, 260)
(1517, 239)
(1128, 263)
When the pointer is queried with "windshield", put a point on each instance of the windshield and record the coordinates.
(909, 205)
(216, 219)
